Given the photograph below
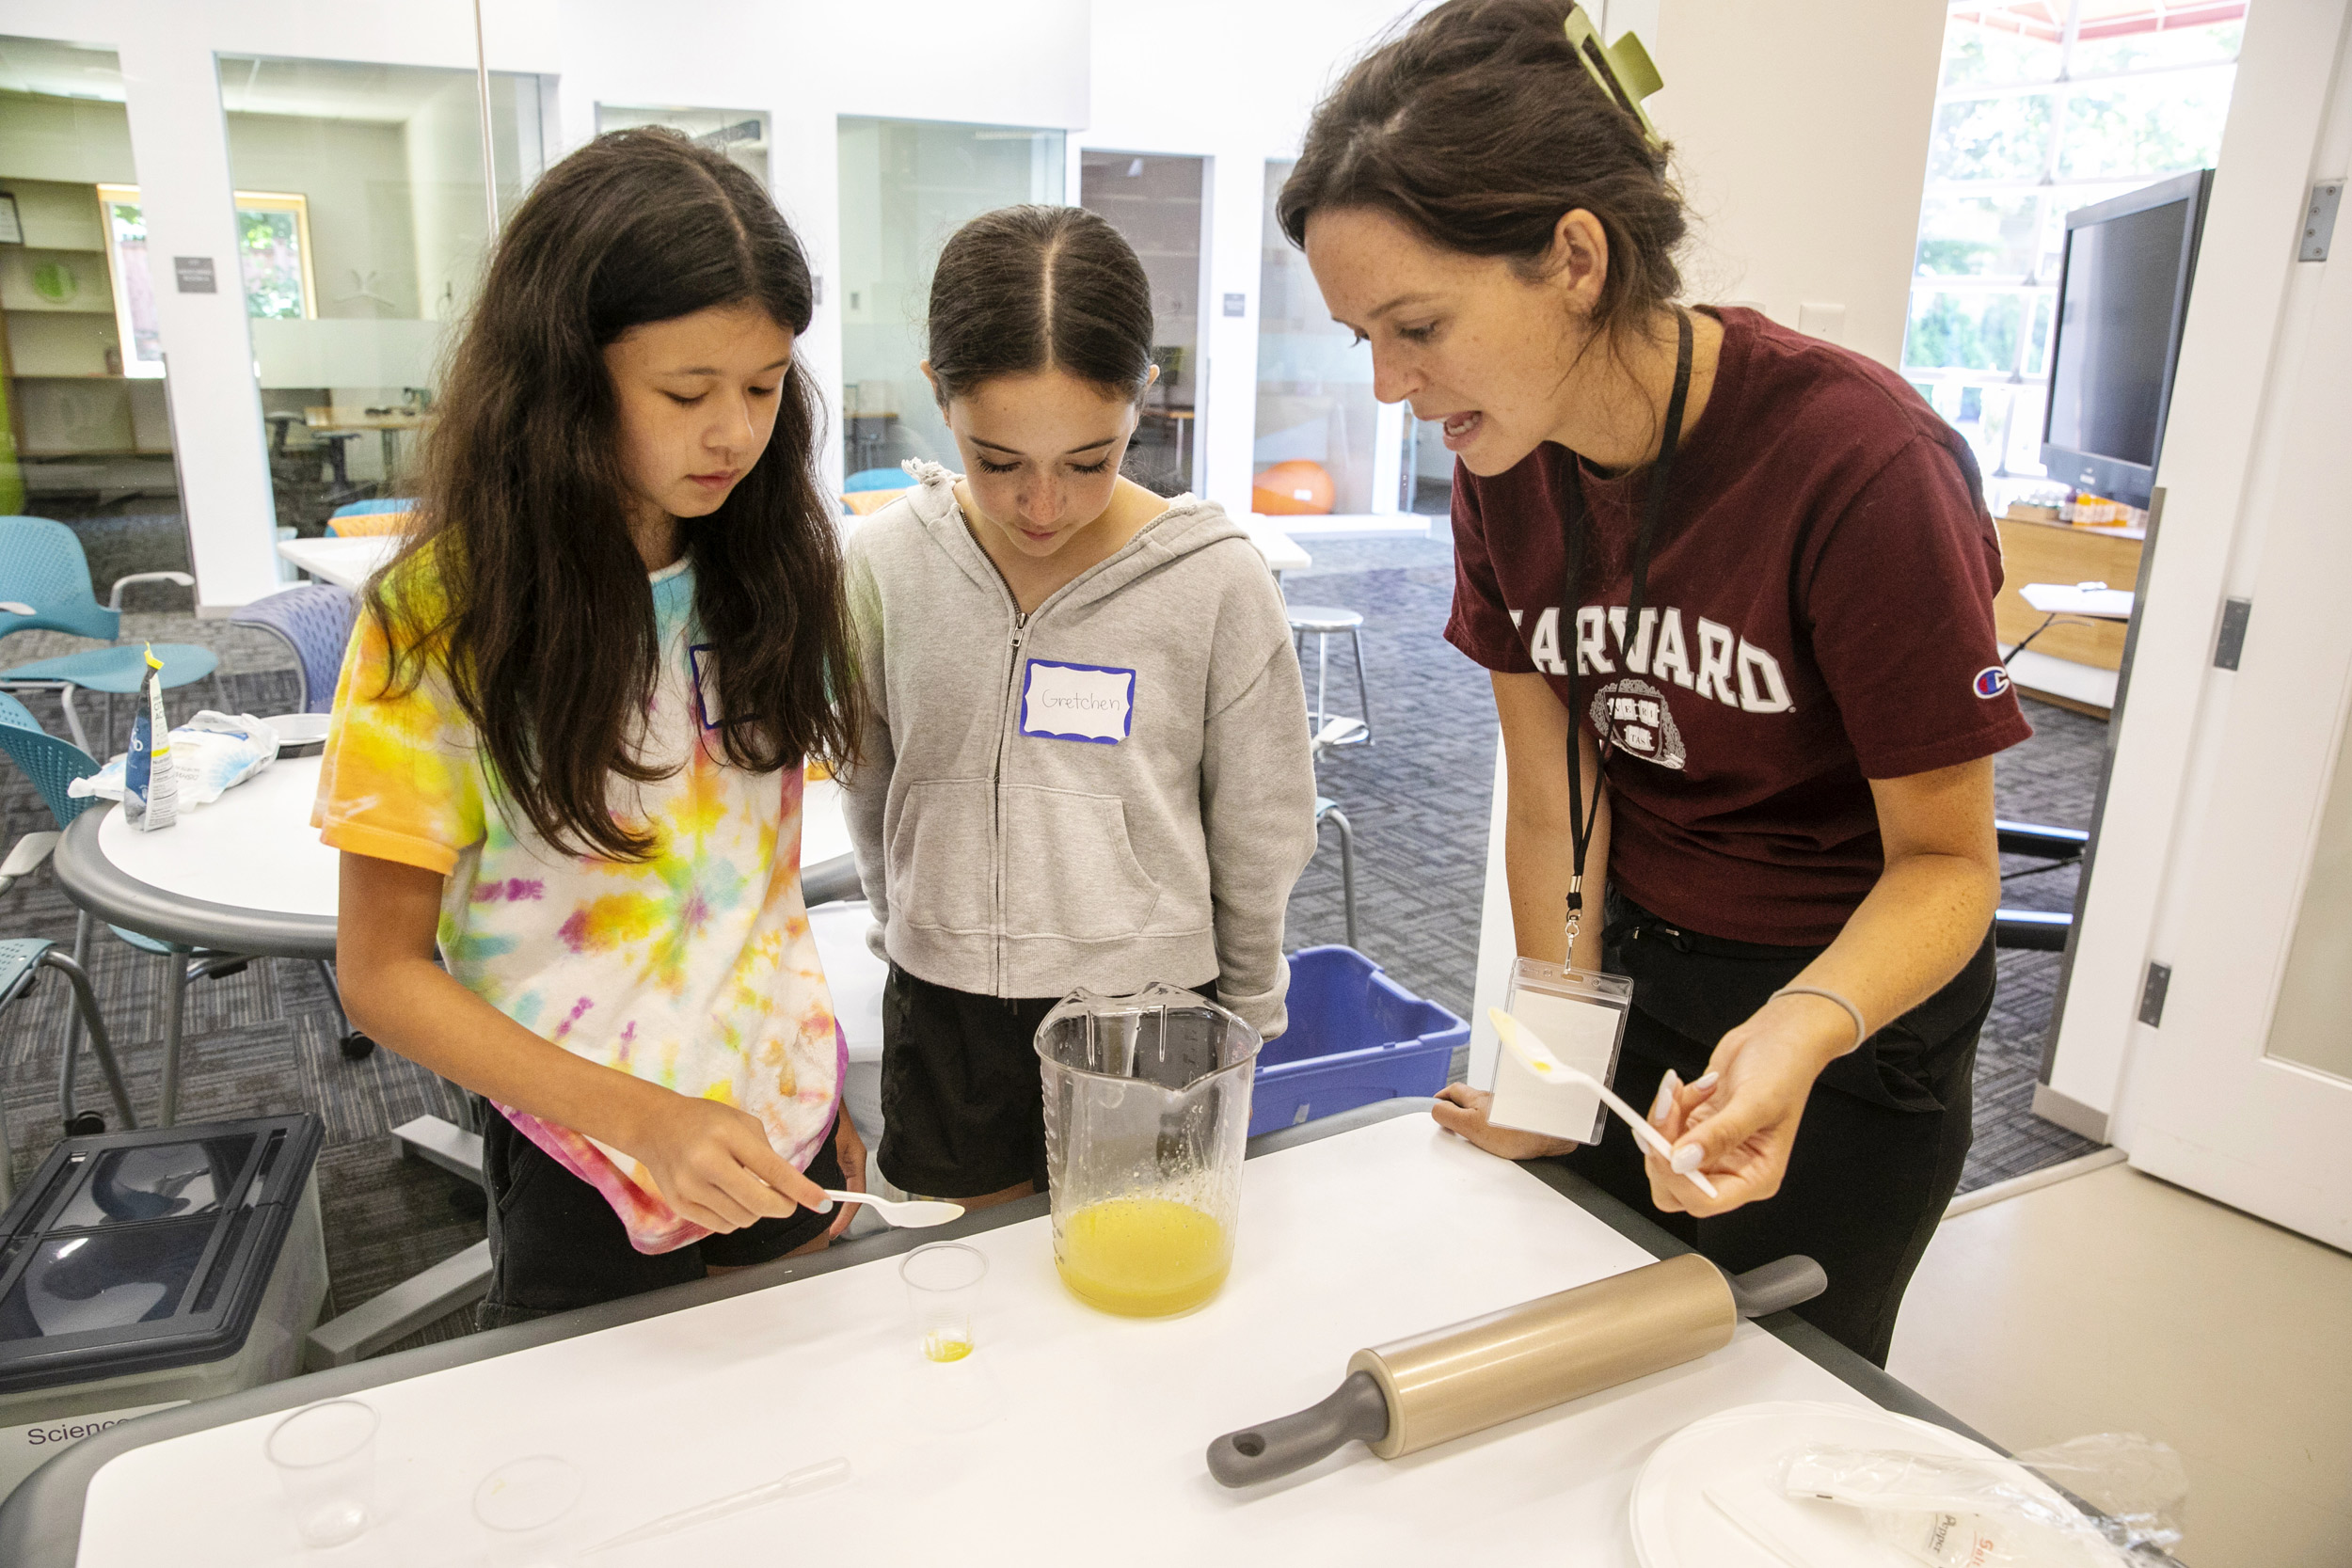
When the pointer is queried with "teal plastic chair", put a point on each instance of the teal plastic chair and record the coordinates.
(20, 965)
(44, 586)
(53, 765)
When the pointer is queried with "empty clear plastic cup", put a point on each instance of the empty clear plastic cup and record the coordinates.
(326, 1458)
(943, 1282)
(521, 1501)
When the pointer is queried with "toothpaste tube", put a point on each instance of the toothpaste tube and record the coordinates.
(151, 793)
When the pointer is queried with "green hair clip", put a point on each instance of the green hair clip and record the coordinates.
(1622, 69)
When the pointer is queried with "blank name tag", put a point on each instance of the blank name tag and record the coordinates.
(1580, 1016)
(1078, 702)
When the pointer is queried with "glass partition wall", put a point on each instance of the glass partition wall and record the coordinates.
(1317, 421)
(740, 134)
(1156, 201)
(85, 437)
(1325, 445)
(361, 227)
(906, 185)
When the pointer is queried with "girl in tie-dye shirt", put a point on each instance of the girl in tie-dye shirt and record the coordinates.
(569, 739)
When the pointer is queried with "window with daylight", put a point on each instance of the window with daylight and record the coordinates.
(2043, 106)
(274, 253)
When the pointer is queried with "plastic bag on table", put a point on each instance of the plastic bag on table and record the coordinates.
(210, 754)
(1959, 1513)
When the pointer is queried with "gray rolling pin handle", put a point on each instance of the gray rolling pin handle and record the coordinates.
(1356, 1410)
(830, 879)
(1776, 1287)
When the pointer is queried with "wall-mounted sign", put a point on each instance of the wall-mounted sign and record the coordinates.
(194, 274)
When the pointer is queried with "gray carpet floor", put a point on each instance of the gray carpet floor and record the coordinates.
(261, 1041)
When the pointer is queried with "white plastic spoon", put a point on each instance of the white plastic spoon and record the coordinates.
(1538, 1058)
(915, 1213)
(832, 1472)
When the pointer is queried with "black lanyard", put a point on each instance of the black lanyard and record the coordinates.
(1581, 822)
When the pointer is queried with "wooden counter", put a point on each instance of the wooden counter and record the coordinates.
(2057, 552)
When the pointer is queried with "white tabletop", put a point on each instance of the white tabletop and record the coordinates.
(1282, 553)
(1069, 1435)
(2079, 598)
(346, 563)
(824, 832)
(253, 848)
(853, 973)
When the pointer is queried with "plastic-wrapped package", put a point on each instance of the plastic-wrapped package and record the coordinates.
(209, 754)
(1958, 1512)
(150, 796)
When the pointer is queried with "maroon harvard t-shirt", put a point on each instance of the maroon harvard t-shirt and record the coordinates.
(1818, 613)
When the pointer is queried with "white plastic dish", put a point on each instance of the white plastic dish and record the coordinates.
(299, 729)
(1735, 1455)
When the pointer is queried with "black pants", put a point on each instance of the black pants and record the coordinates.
(962, 1101)
(555, 1243)
(1877, 1153)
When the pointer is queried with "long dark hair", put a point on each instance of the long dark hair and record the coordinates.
(1478, 128)
(544, 614)
(1026, 289)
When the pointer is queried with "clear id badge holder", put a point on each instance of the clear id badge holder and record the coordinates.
(1579, 1015)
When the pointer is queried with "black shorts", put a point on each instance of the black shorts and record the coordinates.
(555, 1243)
(1877, 1154)
(963, 1101)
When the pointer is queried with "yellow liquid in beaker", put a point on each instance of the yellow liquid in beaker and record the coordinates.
(943, 1347)
(1143, 1256)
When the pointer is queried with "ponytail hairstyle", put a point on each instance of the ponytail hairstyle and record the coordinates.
(1028, 289)
(542, 611)
(1478, 128)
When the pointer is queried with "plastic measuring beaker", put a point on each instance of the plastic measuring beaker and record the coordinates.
(1147, 1108)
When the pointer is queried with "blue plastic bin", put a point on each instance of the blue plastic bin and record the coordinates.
(1355, 1036)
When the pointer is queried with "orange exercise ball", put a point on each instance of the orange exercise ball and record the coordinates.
(1293, 489)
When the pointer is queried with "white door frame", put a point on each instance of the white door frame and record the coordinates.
(2199, 1103)
(2239, 327)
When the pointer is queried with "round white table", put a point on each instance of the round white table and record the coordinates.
(248, 875)
(346, 563)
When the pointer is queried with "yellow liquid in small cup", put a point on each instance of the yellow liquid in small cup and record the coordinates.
(1143, 1256)
(940, 1347)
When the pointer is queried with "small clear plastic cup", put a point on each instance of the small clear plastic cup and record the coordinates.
(324, 1455)
(943, 1282)
(519, 1504)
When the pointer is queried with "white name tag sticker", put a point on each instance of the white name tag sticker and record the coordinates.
(1093, 703)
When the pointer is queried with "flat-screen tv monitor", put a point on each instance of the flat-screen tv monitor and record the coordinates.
(2122, 296)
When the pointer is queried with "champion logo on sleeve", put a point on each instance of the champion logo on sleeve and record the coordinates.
(1991, 681)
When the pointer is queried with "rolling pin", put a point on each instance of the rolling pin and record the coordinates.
(1413, 1394)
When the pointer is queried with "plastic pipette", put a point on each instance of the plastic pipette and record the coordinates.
(814, 1478)
(1538, 1058)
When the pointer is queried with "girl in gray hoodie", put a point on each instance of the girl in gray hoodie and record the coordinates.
(1086, 759)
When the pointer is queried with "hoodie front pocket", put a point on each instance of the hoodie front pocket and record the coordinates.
(938, 860)
(1069, 870)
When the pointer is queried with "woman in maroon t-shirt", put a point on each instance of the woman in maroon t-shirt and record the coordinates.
(1800, 692)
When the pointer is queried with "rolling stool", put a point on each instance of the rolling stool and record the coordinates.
(1322, 622)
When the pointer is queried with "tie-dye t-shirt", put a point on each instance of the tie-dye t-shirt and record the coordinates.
(694, 968)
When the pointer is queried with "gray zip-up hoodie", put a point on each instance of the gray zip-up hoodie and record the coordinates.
(1113, 789)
